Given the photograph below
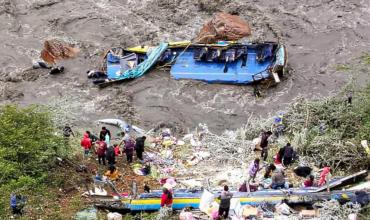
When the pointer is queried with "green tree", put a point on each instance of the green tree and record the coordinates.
(29, 144)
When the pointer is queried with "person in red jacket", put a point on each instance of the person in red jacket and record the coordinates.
(102, 148)
(86, 144)
(166, 199)
(117, 151)
(309, 182)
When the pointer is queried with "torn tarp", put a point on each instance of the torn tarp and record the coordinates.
(128, 62)
(124, 126)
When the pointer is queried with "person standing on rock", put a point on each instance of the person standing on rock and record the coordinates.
(139, 147)
(264, 144)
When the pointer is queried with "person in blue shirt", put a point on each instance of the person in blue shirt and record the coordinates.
(16, 204)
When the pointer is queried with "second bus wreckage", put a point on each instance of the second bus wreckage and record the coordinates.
(195, 180)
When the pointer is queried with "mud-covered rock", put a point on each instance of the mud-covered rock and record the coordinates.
(211, 6)
(9, 92)
(223, 26)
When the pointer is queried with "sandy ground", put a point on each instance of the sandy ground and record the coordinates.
(319, 35)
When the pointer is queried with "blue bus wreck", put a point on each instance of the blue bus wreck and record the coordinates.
(223, 62)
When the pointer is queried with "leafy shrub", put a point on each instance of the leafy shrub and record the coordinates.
(28, 146)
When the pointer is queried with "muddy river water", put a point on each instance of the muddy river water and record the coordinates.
(319, 35)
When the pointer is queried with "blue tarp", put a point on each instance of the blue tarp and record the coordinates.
(114, 69)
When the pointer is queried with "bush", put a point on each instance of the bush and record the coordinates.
(28, 146)
(329, 131)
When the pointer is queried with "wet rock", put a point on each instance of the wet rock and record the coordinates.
(8, 92)
(176, 128)
(46, 3)
(211, 6)
(12, 77)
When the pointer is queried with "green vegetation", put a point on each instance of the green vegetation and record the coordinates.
(366, 58)
(144, 215)
(343, 67)
(28, 148)
(329, 131)
(325, 131)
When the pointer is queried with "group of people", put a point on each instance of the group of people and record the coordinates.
(271, 172)
(107, 152)
(276, 176)
(274, 171)
(285, 155)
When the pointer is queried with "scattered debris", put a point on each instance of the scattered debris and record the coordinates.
(308, 213)
(333, 210)
(87, 214)
(284, 209)
(40, 64)
(124, 126)
(114, 216)
(56, 70)
(250, 212)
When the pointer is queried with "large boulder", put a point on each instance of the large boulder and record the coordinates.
(55, 50)
(223, 26)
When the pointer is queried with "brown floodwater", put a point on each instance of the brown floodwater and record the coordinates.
(319, 35)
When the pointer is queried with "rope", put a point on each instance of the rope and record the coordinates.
(170, 63)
